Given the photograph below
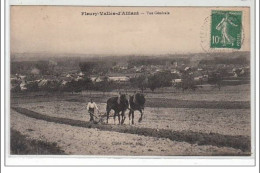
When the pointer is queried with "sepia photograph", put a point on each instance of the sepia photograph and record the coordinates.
(130, 81)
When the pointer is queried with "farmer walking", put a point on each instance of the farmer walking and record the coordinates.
(91, 108)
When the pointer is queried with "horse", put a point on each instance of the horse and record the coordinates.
(136, 104)
(112, 104)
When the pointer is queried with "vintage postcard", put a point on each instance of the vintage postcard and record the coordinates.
(130, 81)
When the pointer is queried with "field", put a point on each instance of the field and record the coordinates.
(204, 122)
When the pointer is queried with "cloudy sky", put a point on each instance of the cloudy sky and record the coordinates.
(60, 29)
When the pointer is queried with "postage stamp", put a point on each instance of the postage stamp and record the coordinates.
(226, 29)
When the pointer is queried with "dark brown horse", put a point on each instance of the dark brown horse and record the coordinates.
(136, 104)
(112, 103)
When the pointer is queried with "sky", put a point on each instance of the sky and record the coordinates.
(62, 30)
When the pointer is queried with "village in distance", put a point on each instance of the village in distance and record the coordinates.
(75, 73)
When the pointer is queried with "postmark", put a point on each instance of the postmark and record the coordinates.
(211, 38)
(226, 29)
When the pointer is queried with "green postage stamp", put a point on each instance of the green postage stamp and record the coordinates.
(226, 29)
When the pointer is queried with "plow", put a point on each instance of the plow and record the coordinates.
(101, 116)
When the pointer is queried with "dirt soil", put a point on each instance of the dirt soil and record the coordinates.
(206, 116)
(222, 121)
(83, 141)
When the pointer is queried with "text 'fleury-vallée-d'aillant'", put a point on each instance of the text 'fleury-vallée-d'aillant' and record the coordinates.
(108, 13)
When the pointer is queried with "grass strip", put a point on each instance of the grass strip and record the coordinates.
(21, 145)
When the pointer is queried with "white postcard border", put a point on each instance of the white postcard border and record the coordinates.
(139, 161)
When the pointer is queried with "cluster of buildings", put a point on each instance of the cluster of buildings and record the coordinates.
(23, 82)
(121, 73)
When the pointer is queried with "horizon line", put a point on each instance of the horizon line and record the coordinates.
(138, 54)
